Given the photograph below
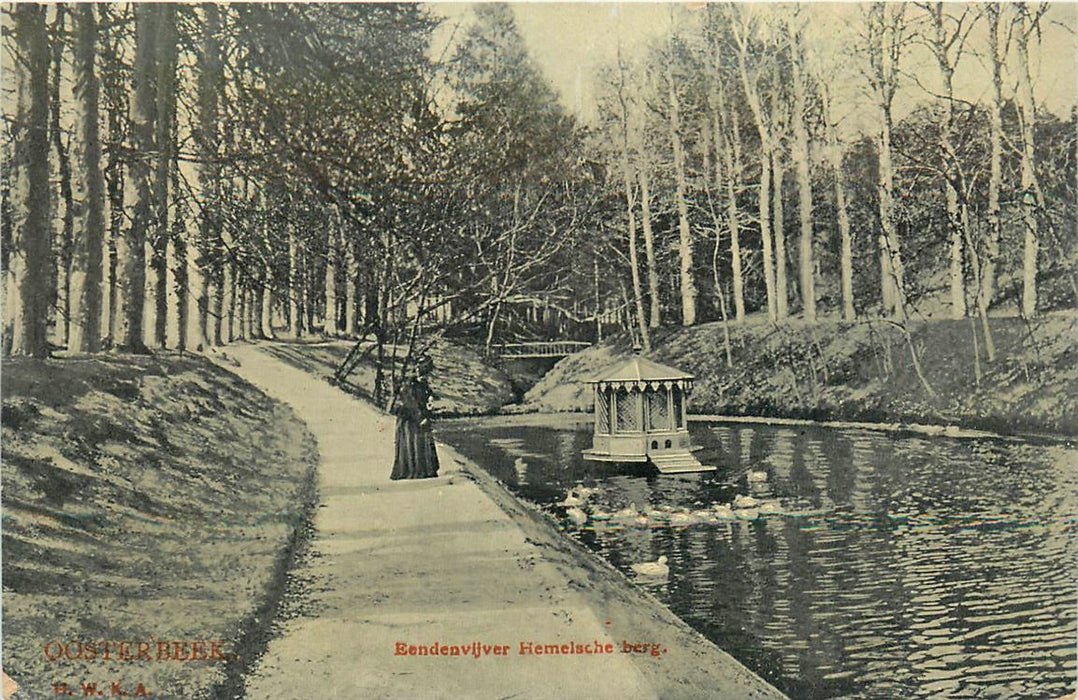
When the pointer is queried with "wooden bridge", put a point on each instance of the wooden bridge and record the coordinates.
(527, 351)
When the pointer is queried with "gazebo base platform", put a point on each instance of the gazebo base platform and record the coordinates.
(679, 463)
(609, 457)
(672, 463)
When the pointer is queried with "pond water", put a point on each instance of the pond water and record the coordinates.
(893, 566)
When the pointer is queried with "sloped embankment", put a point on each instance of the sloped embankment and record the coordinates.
(145, 500)
(863, 371)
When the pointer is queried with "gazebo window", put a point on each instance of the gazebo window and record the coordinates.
(602, 412)
(626, 411)
(658, 414)
(679, 414)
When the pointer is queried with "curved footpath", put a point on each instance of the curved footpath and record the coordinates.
(456, 564)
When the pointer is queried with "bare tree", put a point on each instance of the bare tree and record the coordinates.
(885, 39)
(742, 27)
(1027, 23)
(685, 243)
(799, 123)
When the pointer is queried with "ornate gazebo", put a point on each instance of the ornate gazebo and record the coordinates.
(640, 416)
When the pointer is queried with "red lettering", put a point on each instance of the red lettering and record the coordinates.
(89, 688)
(163, 651)
(55, 655)
(143, 651)
(125, 651)
(217, 653)
(115, 689)
(141, 692)
(400, 649)
(198, 650)
(176, 654)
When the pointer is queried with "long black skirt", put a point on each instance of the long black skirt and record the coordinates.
(415, 456)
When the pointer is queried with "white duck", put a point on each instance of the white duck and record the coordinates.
(572, 500)
(656, 569)
(723, 512)
(577, 516)
(680, 519)
(745, 502)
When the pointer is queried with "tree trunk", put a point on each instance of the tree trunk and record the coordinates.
(61, 273)
(799, 120)
(940, 44)
(782, 298)
(132, 245)
(995, 179)
(89, 247)
(834, 153)
(30, 196)
(166, 117)
(294, 323)
(731, 154)
(634, 262)
(685, 252)
(329, 326)
(1027, 119)
(180, 274)
(210, 76)
(655, 308)
(752, 95)
(351, 271)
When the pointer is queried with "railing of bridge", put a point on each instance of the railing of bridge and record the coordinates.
(553, 348)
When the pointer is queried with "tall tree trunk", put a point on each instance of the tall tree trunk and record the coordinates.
(834, 153)
(763, 127)
(89, 246)
(634, 262)
(685, 252)
(1027, 120)
(799, 121)
(132, 248)
(655, 306)
(333, 256)
(782, 292)
(731, 155)
(61, 281)
(351, 272)
(294, 323)
(886, 25)
(210, 76)
(941, 44)
(30, 196)
(166, 117)
(995, 179)
(180, 274)
(116, 97)
(630, 214)
(266, 296)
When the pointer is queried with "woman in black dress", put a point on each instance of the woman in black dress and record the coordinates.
(415, 456)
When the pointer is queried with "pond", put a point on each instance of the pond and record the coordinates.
(888, 566)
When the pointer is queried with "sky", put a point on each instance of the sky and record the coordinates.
(572, 41)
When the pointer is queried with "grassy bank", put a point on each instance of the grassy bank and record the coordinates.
(863, 371)
(464, 384)
(144, 500)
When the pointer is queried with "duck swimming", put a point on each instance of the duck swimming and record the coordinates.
(657, 569)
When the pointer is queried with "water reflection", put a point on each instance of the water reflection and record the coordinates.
(897, 567)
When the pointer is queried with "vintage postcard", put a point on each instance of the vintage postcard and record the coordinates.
(539, 350)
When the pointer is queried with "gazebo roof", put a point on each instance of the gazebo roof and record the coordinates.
(640, 369)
